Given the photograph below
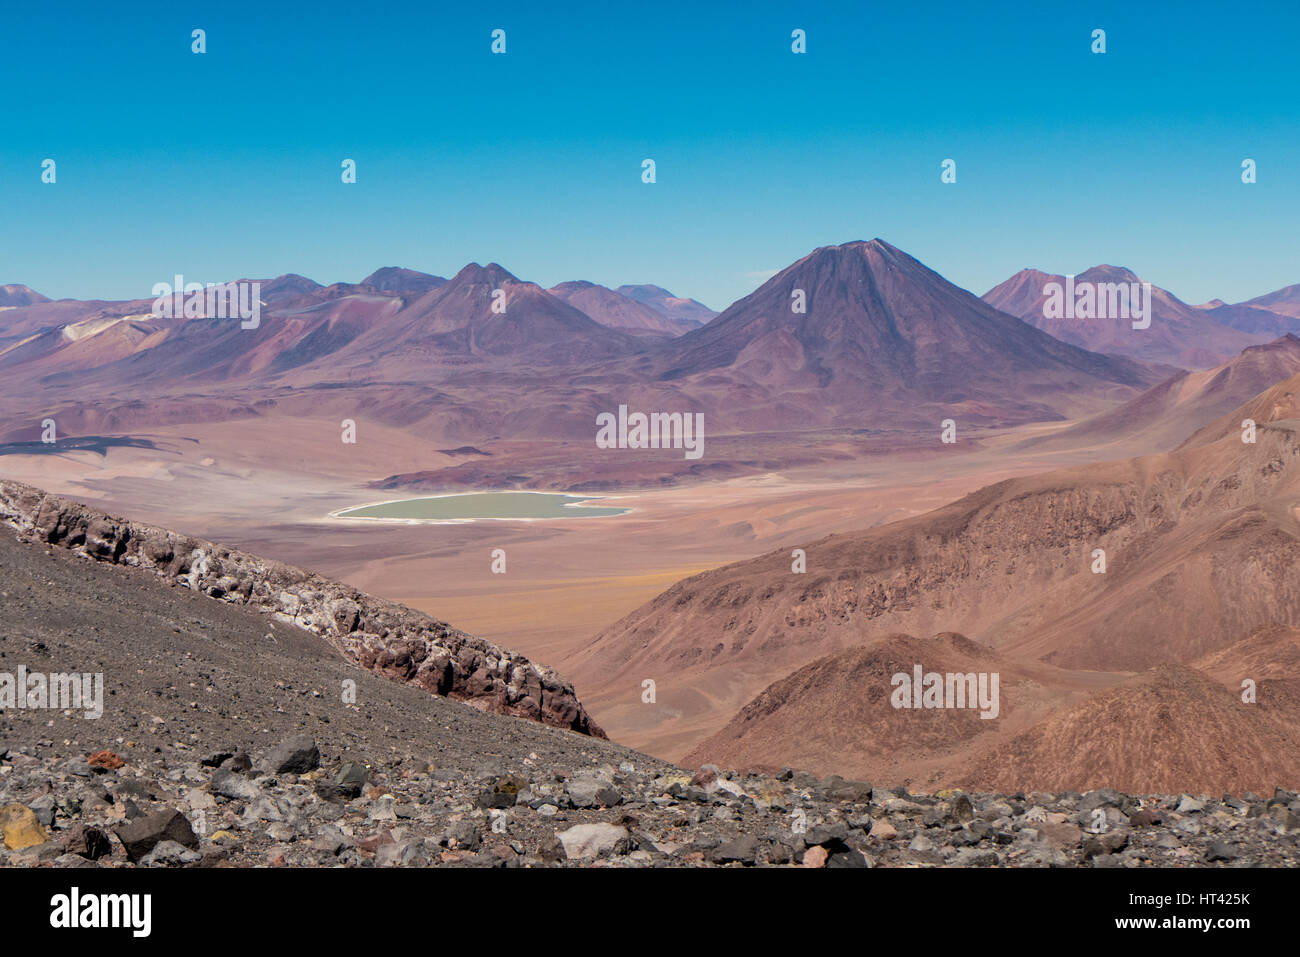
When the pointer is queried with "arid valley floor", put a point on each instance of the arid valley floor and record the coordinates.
(565, 580)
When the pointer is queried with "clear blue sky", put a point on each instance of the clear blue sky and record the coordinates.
(227, 164)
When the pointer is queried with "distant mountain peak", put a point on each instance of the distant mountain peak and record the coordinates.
(1108, 273)
(684, 313)
(644, 289)
(1179, 334)
(16, 294)
(618, 310)
(395, 279)
(493, 274)
(865, 318)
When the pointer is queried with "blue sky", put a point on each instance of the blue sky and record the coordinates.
(227, 164)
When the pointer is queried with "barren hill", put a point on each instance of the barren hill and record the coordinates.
(883, 340)
(1201, 548)
(1174, 727)
(618, 311)
(1171, 411)
(682, 310)
(1179, 334)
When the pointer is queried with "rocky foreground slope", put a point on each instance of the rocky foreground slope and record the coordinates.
(381, 636)
(282, 807)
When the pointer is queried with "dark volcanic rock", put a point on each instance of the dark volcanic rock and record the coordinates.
(140, 836)
(297, 755)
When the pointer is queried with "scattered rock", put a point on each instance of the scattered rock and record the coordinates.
(592, 840)
(1221, 851)
(139, 837)
(815, 857)
(21, 828)
(105, 761)
(296, 755)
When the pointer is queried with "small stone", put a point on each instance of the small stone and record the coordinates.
(21, 828)
(846, 858)
(234, 786)
(1107, 843)
(742, 850)
(296, 755)
(591, 840)
(352, 778)
(330, 840)
(856, 792)
(383, 809)
(105, 761)
(463, 835)
(88, 842)
(973, 857)
(43, 808)
(282, 833)
(1145, 817)
(815, 856)
(170, 853)
(960, 809)
(1105, 797)
(1221, 851)
(1046, 855)
(141, 836)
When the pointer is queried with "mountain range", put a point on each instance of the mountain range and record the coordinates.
(883, 343)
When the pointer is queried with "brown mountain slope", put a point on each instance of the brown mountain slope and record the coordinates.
(1166, 414)
(1170, 729)
(1179, 334)
(837, 713)
(1285, 301)
(1276, 403)
(1202, 546)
